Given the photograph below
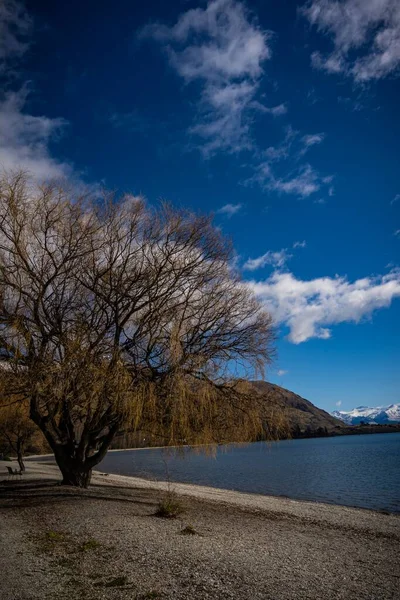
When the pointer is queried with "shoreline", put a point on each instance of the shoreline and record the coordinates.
(244, 500)
(105, 542)
(217, 445)
(386, 505)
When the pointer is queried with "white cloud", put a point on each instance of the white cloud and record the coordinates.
(397, 232)
(310, 308)
(339, 403)
(283, 150)
(25, 139)
(302, 181)
(281, 372)
(276, 259)
(15, 25)
(222, 47)
(224, 43)
(275, 111)
(311, 140)
(229, 209)
(303, 184)
(225, 123)
(365, 34)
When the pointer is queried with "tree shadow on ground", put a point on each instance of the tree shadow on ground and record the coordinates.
(14, 494)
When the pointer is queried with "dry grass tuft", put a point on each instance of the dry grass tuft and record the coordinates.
(170, 507)
(189, 530)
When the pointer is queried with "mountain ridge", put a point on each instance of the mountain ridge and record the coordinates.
(304, 418)
(378, 415)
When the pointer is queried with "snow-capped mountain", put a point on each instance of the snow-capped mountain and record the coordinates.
(379, 414)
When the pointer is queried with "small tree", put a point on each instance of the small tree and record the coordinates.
(17, 431)
(111, 311)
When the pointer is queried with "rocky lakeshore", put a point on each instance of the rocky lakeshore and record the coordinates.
(106, 542)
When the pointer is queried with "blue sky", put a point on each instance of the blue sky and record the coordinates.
(281, 118)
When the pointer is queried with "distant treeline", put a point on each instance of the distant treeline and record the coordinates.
(142, 440)
(361, 429)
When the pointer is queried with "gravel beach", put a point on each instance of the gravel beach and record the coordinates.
(105, 542)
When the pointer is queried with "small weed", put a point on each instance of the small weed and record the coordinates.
(55, 536)
(188, 530)
(89, 545)
(169, 508)
(116, 582)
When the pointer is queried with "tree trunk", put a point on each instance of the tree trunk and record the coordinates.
(74, 472)
(76, 464)
(78, 478)
(20, 456)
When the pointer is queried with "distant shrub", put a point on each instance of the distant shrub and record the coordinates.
(188, 530)
(169, 507)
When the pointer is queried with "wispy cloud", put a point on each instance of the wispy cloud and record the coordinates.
(339, 403)
(365, 35)
(281, 372)
(305, 182)
(25, 139)
(224, 48)
(301, 180)
(397, 233)
(229, 209)
(311, 140)
(276, 259)
(284, 149)
(275, 111)
(310, 308)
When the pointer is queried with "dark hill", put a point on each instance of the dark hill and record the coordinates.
(303, 417)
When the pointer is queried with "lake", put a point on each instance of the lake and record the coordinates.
(354, 470)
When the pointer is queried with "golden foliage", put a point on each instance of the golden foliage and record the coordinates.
(114, 313)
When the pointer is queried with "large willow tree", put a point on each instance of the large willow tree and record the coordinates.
(112, 312)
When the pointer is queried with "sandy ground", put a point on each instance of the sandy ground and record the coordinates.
(105, 542)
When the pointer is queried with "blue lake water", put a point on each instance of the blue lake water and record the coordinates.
(362, 471)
